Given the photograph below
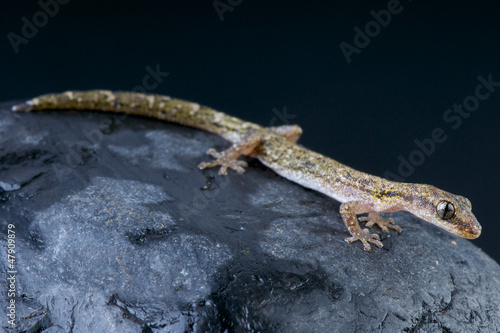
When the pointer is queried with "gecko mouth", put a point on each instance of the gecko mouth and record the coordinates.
(472, 233)
(468, 232)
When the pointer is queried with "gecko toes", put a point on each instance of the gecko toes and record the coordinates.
(384, 224)
(223, 170)
(366, 238)
(214, 153)
(225, 161)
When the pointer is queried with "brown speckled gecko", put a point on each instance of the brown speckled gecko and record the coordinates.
(275, 147)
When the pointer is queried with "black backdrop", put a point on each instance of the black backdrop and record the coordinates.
(364, 79)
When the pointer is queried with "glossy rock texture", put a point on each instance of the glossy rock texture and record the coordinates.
(117, 230)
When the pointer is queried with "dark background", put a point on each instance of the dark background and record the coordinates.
(269, 56)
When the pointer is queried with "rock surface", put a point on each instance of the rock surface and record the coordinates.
(118, 231)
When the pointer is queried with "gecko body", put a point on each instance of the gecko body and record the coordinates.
(276, 148)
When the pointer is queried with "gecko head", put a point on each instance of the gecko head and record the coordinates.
(451, 212)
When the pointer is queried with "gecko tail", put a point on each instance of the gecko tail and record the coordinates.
(24, 107)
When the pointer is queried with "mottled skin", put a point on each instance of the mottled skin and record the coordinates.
(275, 147)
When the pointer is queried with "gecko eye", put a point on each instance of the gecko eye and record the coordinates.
(445, 210)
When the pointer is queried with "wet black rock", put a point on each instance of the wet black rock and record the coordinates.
(116, 230)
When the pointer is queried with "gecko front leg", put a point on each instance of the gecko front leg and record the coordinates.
(348, 211)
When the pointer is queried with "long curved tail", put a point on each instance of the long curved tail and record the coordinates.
(150, 105)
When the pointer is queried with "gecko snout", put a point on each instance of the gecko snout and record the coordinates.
(470, 230)
(475, 231)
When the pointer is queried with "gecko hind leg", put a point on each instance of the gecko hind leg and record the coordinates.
(229, 157)
(384, 224)
(226, 159)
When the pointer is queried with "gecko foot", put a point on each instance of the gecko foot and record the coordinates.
(384, 224)
(226, 160)
(366, 237)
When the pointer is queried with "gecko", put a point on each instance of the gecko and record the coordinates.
(277, 148)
